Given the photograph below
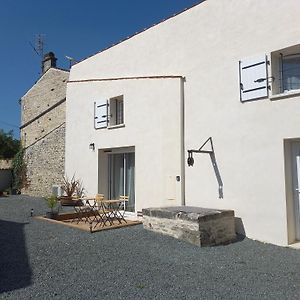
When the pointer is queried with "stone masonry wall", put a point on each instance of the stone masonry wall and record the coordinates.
(210, 232)
(47, 91)
(196, 225)
(45, 163)
(45, 124)
(43, 136)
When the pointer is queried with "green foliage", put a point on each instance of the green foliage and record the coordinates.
(9, 146)
(51, 202)
(19, 170)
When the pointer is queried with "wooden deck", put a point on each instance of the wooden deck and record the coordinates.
(69, 219)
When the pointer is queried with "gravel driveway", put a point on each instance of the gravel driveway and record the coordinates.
(42, 260)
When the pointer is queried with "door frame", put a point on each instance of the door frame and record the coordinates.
(289, 171)
(295, 156)
(123, 151)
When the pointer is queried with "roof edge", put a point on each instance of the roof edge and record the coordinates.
(139, 32)
(127, 78)
(58, 69)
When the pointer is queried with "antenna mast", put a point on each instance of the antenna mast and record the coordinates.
(39, 47)
(39, 44)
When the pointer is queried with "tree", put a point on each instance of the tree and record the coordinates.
(9, 146)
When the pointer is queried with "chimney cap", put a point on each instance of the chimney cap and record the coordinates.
(49, 55)
(49, 61)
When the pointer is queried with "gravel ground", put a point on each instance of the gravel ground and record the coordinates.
(42, 260)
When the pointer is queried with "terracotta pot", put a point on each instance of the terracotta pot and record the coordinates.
(51, 215)
(69, 201)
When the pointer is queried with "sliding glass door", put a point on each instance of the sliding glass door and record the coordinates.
(121, 177)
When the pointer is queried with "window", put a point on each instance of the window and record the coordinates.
(290, 73)
(285, 66)
(276, 75)
(116, 110)
(109, 113)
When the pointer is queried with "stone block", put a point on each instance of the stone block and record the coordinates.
(196, 225)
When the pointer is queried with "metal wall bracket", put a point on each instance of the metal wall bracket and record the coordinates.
(190, 159)
(211, 152)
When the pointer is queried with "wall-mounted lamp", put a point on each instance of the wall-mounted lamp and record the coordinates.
(190, 160)
(92, 146)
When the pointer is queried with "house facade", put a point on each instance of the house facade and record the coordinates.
(43, 129)
(225, 72)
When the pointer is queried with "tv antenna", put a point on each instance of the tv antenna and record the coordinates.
(71, 60)
(38, 46)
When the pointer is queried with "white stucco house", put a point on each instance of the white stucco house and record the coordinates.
(229, 70)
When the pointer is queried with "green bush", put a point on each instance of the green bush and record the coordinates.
(19, 170)
(51, 202)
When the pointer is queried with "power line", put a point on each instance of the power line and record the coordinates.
(8, 124)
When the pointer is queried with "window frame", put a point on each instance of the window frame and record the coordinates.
(282, 78)
(277, 85)
(116, 112)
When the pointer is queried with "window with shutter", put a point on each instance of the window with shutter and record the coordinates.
(285, 68)
(253, 78)
(100, 114)
(116, 111)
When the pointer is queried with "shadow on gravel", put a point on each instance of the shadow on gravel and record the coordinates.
(15, 272)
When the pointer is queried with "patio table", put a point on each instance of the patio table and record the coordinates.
(99, 212)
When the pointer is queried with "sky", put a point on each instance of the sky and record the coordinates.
(74, 28)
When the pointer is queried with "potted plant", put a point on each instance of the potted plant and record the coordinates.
(79, 189)
(52, 204)
(69, 188)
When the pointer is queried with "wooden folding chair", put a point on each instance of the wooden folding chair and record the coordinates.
(124, 199)
(101, 215)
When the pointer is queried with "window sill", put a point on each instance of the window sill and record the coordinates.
(116, 126)
(284, 95)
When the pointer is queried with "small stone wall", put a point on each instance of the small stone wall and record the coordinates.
(196, 225)
(5, 174)
(5, 164)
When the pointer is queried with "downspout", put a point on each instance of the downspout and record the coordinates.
(182, 140)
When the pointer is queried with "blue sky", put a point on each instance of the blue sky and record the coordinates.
(73, 28)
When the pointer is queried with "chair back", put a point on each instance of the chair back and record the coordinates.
(99, 197)
(124, 198)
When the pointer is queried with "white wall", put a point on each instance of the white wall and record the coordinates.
(205, 44)
(151, 113)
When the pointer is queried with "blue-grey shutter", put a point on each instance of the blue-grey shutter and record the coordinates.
(100, 114)
(253, 78)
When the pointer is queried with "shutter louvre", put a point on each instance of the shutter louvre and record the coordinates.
(253, 78)
(100, 114)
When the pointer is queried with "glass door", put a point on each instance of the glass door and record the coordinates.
(296, 186)
(121, 177)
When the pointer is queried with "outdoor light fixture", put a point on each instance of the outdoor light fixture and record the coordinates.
(190, 160)
(92, 146)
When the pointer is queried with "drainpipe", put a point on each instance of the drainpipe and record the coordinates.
(182, 140)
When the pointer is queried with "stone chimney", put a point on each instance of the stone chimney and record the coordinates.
(48, 62)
